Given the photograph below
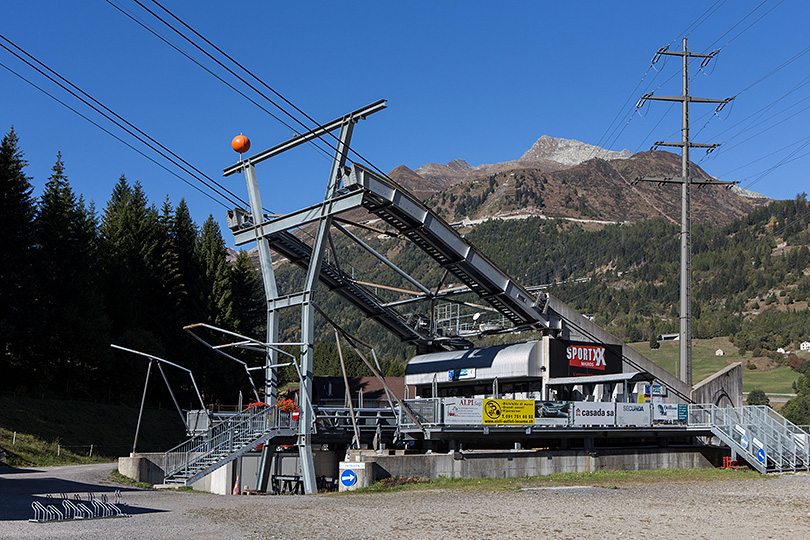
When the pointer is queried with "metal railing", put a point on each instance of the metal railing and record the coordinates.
(427, 410)
(229, 435)
(757, 433)
(233, 433)
(367, 418)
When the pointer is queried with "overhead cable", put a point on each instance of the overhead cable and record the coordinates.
(113, 135)
(209, 71)
(117, 119)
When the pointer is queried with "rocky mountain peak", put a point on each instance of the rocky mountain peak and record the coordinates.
(568, 152)
(459, 165)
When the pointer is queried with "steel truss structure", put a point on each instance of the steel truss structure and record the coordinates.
(354, 189)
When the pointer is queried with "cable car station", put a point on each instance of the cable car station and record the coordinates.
(572, 397)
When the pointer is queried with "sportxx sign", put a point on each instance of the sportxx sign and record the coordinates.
(586, 356)
(580, 358)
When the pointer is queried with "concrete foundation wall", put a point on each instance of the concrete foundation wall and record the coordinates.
(723, 389)
(469, 464)
(143, 467)
(522, 463)
(220, 481)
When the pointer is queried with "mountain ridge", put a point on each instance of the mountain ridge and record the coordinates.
(565, 178)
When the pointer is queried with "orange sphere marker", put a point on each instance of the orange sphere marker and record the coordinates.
(241, 144)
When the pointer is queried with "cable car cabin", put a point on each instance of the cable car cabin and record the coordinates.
(546, 369)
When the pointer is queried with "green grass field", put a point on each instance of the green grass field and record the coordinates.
(606, 479)
(60, 432)
(705, 363)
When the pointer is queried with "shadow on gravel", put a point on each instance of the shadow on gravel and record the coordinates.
(5, 470)
(17, 494)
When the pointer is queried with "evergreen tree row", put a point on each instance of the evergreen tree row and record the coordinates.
(72, 282)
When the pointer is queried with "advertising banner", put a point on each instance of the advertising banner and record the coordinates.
(466, 411)
(576, 359)
(551, 413)
(509, 412)
(461, 374)
(633, 414)
(655, 389)
(670, 413)
(589, 413)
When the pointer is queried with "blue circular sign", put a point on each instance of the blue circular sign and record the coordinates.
(744, 442)
(348, 478)
(761, 455)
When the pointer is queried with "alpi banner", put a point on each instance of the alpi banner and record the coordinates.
(575, 358)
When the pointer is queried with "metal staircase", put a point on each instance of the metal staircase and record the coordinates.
(758, 434)
(223, 443)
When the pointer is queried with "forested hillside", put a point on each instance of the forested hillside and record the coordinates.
(751, 277)
(758, 264)
(74, 279)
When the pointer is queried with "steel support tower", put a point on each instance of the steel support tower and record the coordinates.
(686, 182)
(304, 298)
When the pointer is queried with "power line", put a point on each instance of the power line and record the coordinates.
(765, 156)
(223, 81)
(349, 150)
(606, 136)
(113, 135)
(233, 73)
(700, 20)
(705, 62)
(783, 161)
(151, 143)
(775, 70)
(767, 128)
(762, 110)
(740, 22)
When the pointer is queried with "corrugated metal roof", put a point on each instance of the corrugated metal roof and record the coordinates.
(520, 360)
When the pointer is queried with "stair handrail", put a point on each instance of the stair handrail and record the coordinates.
(786, 446)
(251, 425)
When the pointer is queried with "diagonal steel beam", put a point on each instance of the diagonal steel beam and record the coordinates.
(298, 140)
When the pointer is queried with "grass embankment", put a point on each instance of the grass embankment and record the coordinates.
(603, 479)
(768, 377)
(60, 432)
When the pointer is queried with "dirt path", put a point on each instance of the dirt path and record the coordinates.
(772, 507)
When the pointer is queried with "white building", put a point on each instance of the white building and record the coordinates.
(805, 346)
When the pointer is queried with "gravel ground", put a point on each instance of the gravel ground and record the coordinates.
(773, 507)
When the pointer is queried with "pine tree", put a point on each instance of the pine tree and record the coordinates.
(220, 376)
(16, 263)
(184, 241)
(217, 292)
(248, 297)
(130, 238)
(71, 326)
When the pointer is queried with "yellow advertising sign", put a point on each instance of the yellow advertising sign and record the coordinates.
(509, 412)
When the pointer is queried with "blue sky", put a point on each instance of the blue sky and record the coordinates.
(480, 81)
